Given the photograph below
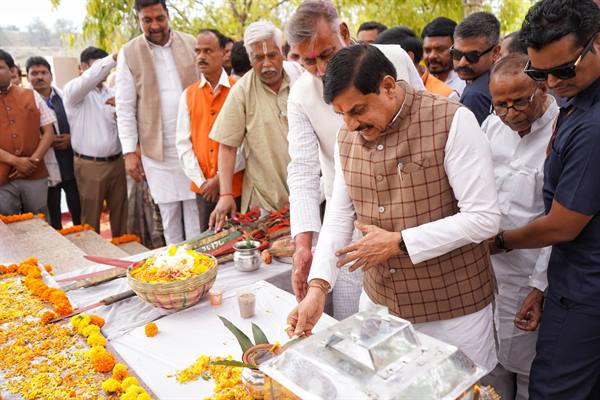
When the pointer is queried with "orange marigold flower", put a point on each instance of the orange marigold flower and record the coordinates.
(120, 372)
(103, 362)
(151, 329)
(48, 268)
(96, 320)
(47, 317)
(11, 269)
(126, 238)
(3, 270)
(63, 308)
(75, 229)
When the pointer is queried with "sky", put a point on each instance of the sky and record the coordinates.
(21, 12)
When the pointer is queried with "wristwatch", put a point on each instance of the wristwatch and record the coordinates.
(499, 242)
(403, 248)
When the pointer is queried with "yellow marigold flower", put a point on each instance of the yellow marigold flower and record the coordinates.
(129, 382)
(97, 339)
(90, 330)
(128, 396)
(120, 372)
(151, 329)
(81, 319)
(103, 362)
(111, 385)
(95, 350)
(143, 396)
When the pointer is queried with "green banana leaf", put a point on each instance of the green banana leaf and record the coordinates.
(259, 335)
(292, 342)
(243, 340)
(233, 363)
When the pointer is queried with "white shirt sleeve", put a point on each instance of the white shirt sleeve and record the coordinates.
(183, 143)
(468, 165)
(538, 278)
(337, 230)
(304, 172)
(126, 105)
(76, 89)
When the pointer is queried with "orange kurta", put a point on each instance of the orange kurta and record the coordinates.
(204, 107)
(436, 86)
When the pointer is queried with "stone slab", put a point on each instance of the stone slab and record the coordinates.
(95, 245)
(133, 248)
(36, 238)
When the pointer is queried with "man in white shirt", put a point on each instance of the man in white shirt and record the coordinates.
(99, 165)
(152, 71)
(414, 173)
(316, 32)
(518, 132)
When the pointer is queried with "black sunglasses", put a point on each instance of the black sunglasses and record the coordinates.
(471, 56)
(565, 71)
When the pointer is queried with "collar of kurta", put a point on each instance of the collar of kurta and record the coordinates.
(548, 116)
(5, 91)
(223, 81)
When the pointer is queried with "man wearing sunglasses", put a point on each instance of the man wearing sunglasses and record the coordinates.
(518, 132)
(563, 45)
(474, 52)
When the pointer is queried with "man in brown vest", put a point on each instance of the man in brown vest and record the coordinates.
(26, 134)
(413, 172)
(152, 71)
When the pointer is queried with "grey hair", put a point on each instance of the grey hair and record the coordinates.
(259, 31)
(303, 23)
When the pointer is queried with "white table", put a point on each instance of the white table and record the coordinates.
(186, 335)
(134, 312)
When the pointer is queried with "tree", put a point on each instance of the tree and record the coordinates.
(111, 23)
(39, 34)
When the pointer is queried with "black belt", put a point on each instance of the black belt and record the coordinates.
(99, 159)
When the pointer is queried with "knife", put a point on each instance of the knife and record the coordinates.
(104, 302)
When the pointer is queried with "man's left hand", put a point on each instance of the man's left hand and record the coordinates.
(376, 247)
(210, 189)
(529, 315)
(62, 141)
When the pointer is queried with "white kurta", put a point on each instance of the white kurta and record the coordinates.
(519, 173)
(166, 179)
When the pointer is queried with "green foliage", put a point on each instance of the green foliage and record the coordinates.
(259, 335)
(233, 363)
(111, 23)
(243, 340)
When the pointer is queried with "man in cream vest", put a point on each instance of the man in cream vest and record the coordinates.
(152, 71)
(317, 33)
(413, 172)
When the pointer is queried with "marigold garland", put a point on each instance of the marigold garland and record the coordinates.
(151, 329)
(126, 238)
(103, 362)
(75, 229)
(9, 219)
(96, 320)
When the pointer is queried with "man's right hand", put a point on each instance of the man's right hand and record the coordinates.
(225, 207)
(305, 315)
(25, 165)
(133, 166)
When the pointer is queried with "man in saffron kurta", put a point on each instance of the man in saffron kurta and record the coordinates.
(199, 107)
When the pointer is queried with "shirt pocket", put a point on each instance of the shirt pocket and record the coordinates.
(521, 190)
(413, 171)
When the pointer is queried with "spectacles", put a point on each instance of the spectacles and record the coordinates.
(521, 104)
(471, 56)
(565, 71)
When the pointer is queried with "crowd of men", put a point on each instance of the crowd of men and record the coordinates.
(452, 177)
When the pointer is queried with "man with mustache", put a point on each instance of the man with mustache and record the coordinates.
(27, 134)
(199, 106)
(563, 45)
(317, 33)
(152, 71)
(59, 158)
(413, 172)
(254, 116)
(474, 52)
(518, 131)
(438, 38)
